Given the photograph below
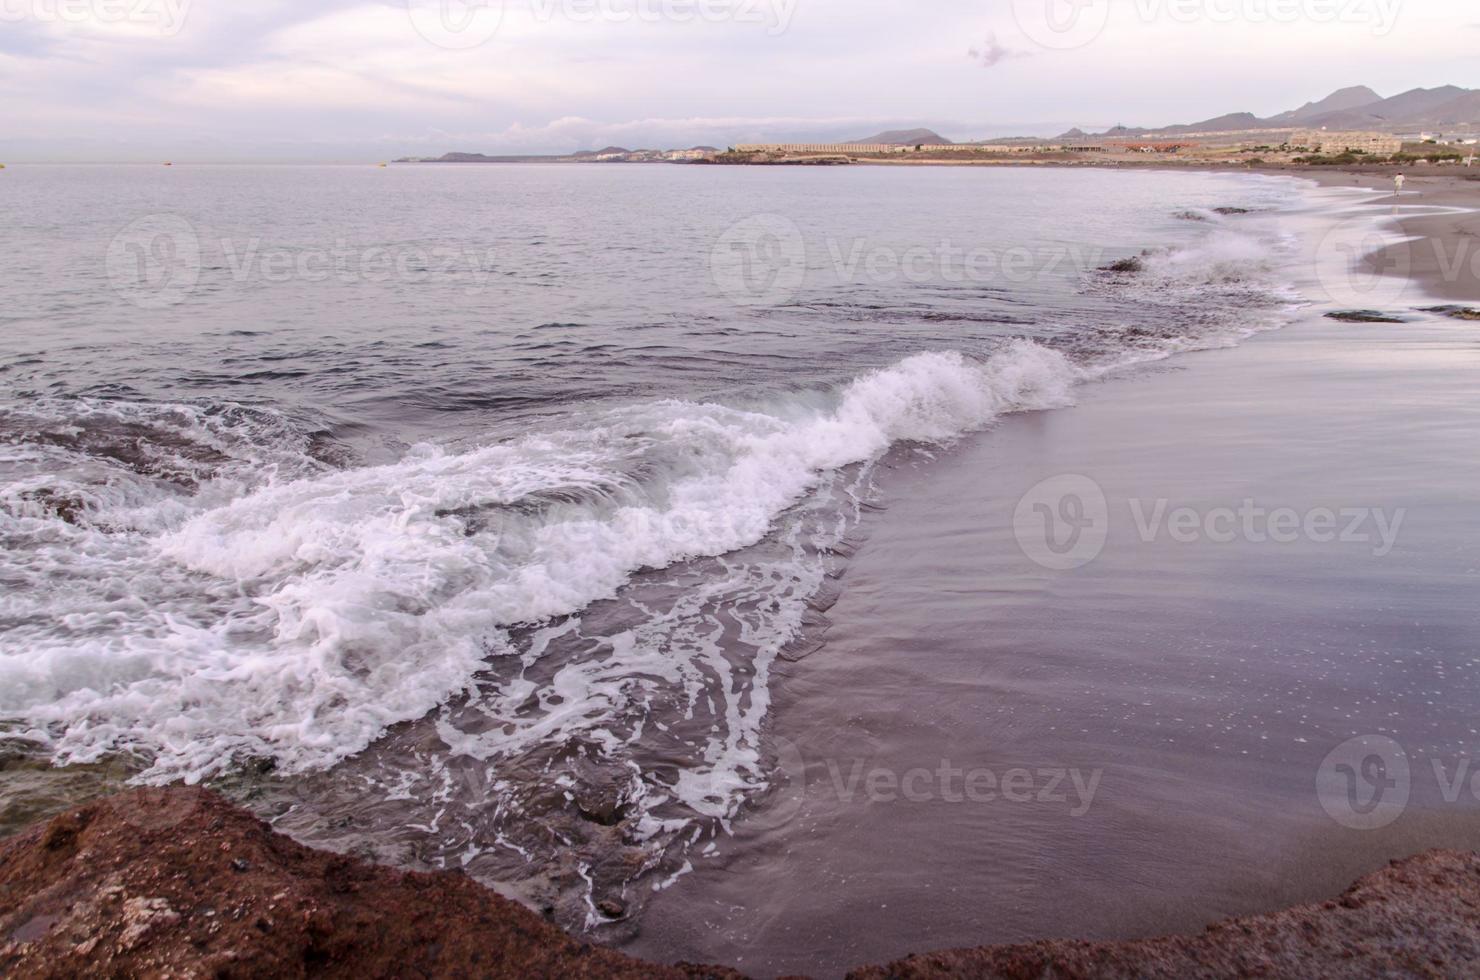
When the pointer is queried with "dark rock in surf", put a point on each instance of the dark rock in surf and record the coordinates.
(1364, 316)
(1454, 312)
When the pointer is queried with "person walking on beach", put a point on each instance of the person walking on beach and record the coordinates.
(1398, 182)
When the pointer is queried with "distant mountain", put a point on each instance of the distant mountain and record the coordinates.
(1417, 109)
(905, 137)
(1342, 100)
(1114, 132)
(1415, 103)
(1448, 107)
(1463, 112)
(474, 158)
(1234, 120)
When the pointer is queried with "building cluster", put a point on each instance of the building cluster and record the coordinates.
(1201, 145)
(821, 148)
(1330, 142)
(873, 149)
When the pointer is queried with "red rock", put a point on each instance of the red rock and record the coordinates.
(185, 892)
(181, 883)
(1415, 918)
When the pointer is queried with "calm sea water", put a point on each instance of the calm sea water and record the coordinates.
(461, 514)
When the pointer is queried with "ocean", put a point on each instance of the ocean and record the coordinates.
(462, 516)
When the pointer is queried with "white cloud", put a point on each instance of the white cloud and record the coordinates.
(346, 77)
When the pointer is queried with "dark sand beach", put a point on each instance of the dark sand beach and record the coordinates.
(1442, 256)
(1204, 676)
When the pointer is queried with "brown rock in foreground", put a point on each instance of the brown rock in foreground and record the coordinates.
(1415, 918)
(179, 882)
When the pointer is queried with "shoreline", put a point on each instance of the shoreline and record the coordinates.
(1443, 257)
(1168, 668)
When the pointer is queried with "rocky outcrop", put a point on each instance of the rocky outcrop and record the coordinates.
(1414, 918)
(179, 882)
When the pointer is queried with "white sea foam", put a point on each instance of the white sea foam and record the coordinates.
(294, 613)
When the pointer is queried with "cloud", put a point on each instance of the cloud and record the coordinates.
(344, 79)
(993, 52)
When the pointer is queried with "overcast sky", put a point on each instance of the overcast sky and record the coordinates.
(372, 79)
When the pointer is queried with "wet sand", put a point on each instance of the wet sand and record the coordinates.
(1443, 257)
(1204, 681)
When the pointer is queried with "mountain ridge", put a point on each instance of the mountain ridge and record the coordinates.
(1355, 107)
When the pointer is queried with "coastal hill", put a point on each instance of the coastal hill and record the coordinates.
(1447, 107)
(904, 137)
(1339, 101)
(609, 154)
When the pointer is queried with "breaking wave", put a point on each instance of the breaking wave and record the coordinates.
(293, 613)
(545, 654)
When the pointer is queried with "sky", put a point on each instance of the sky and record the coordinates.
(350, 80)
